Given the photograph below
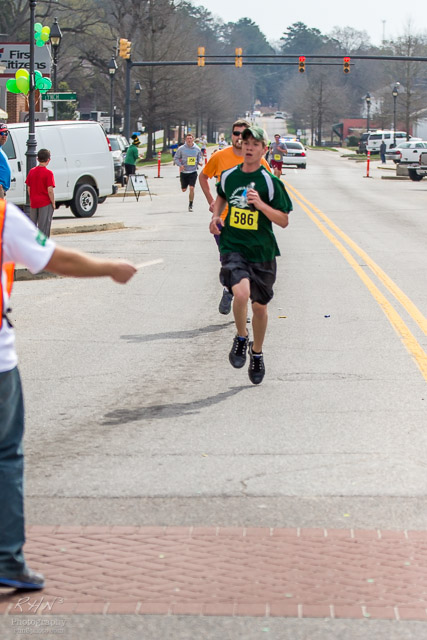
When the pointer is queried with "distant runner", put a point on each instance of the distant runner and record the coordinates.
(188, 158)
(277, 151)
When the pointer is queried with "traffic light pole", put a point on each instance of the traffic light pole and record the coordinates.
(127, 96)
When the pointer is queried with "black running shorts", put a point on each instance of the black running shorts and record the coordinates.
(261, 275)
(130, 169)
(188, 179)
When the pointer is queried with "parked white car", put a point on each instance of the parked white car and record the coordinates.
(82, 163)
(406, 152)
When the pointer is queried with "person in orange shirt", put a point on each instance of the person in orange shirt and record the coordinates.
(221, 161)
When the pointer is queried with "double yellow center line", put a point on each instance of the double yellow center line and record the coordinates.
(329, 228)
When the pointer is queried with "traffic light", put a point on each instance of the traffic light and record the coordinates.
(346, 65)
(238, 60)
(201, 56)
(301, 64)
(124, 48)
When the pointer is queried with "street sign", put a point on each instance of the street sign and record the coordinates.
(16, 55)
(57, 97)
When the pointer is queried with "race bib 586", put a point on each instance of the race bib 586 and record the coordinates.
(244, 219)
(191, 161)
(277, 157)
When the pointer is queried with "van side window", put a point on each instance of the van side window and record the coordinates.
(9, 148)
(387, 136)
(375, 136)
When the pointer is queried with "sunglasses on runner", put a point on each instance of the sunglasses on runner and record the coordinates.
(4, 133)
(237, 133)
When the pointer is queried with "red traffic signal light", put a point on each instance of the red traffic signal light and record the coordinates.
(301, 64)
(346, 65)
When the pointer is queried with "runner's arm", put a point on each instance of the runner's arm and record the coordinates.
(216, 222)
(277, 216)
(204, 183)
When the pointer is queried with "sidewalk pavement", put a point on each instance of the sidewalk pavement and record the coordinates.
(220, 571)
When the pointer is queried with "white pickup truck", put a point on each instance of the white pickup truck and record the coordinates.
(417, 171)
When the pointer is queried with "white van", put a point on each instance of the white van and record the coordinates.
(376, 137)
(81, 161)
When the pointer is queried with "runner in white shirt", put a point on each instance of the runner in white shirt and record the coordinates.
(22, 242)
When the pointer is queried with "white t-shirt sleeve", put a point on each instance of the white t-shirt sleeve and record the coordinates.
(23, 242)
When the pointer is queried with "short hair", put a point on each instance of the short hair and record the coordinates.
(241, 123)
(43, 155)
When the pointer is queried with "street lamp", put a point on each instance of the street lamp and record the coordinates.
(112, 68)
(394, 93)
(55, 41)
(368, 110)
(31, 142)
(137, 89)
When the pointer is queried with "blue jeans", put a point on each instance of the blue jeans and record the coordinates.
(12, 526)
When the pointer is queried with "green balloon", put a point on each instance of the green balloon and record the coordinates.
(23, 84)
(11, 86)
(44, 37)
(38, 27)
(39, 43)
(37, 74)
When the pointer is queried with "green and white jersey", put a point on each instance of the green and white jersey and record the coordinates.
(247, 232)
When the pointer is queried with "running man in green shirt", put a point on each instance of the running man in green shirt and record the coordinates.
(247, 245)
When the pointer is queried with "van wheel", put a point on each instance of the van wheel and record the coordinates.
(85, 201)
(414, 176)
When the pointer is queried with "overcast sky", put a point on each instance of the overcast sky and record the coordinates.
(274, 16)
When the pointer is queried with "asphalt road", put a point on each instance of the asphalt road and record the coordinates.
(134, 415)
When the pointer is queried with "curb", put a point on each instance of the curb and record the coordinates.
(22, 274)
(394, 177)
(100, 226)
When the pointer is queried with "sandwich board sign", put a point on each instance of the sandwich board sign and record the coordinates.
(139, 183)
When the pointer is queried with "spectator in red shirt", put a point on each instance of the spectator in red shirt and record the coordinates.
(40, 184)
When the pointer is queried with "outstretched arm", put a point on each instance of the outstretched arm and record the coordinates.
(68, 262)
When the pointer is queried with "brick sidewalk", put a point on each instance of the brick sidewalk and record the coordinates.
(305, 573)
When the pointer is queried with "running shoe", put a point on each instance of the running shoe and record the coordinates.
(27, 580)
(256, 369)
(237, 355)
(190, 206)
(225, 303)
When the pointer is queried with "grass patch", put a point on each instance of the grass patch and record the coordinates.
(323, 148)
(144, 162)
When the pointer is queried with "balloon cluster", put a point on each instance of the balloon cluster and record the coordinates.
(21, 82)
(41, 34)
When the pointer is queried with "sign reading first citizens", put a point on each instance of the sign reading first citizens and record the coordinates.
(16, 55)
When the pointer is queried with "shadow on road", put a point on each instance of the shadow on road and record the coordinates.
(172, 410)
(173, 335)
